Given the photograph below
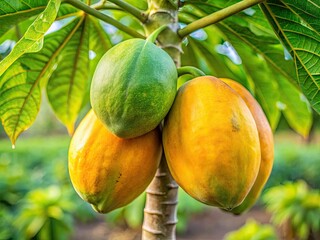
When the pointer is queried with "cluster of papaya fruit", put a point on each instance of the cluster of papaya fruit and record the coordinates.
(216, 139)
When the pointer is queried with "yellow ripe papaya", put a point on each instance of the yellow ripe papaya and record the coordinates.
(107, 171)
(266, 146)
(211, 143)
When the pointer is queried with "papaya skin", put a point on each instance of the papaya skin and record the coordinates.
(266, 146)
(133, 87)
(211, 143)
(110, 172)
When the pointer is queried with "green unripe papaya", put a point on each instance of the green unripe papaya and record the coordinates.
(133, 87)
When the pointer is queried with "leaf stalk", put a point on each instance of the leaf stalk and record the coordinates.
(131, 9)
(89, 10)
(217, 16)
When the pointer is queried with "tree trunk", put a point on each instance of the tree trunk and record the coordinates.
(161, 206)
(160, 213)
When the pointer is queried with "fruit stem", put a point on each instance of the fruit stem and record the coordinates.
(89, 10)
(217, 16)
(161, 12)
(153, 36)
(195, 72)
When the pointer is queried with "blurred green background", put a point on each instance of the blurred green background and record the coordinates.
(37, 200)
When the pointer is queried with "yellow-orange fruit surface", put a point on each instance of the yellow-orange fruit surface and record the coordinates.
(107, 171)
(266, 145)
(211, 143)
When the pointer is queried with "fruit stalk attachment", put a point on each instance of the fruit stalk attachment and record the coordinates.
(195, 72)
(153, 36)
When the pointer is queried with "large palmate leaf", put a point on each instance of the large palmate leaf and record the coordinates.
(14, 11)
(252, 30)
(20, 92)
(17, 31)
(210, 61)
(99, 43)
(32, 40)
(68, 87)
(297, 23)
(67, 84)
(266, 87)
(295, 107)
(200, 51)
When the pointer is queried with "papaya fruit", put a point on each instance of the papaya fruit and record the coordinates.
(266, 146)
(107, 171)
(211, 143)
(133, 87)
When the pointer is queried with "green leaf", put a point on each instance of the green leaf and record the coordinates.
(267, 47)
(99, 43)
(265, 86)
(254, 31)
(212, 62)
(297, 25)
(17, 31)
(296, 108)
(201, 52)
(68, 84)
(32, 40)
(20, 92)
(14, 11)
(66, 9)
(19, 100)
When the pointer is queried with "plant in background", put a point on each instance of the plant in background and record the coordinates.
(295, 161)
(253, 230)
(296, 208)
(45, 214)
(13, 185)
(6, 227)
(23, 170)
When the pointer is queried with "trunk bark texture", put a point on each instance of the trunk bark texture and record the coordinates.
(160, 213)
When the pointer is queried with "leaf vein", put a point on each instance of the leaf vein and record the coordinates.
(17, 13)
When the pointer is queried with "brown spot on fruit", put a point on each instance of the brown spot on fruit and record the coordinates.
(235, 124)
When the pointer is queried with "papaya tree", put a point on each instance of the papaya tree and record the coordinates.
(60, 48)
